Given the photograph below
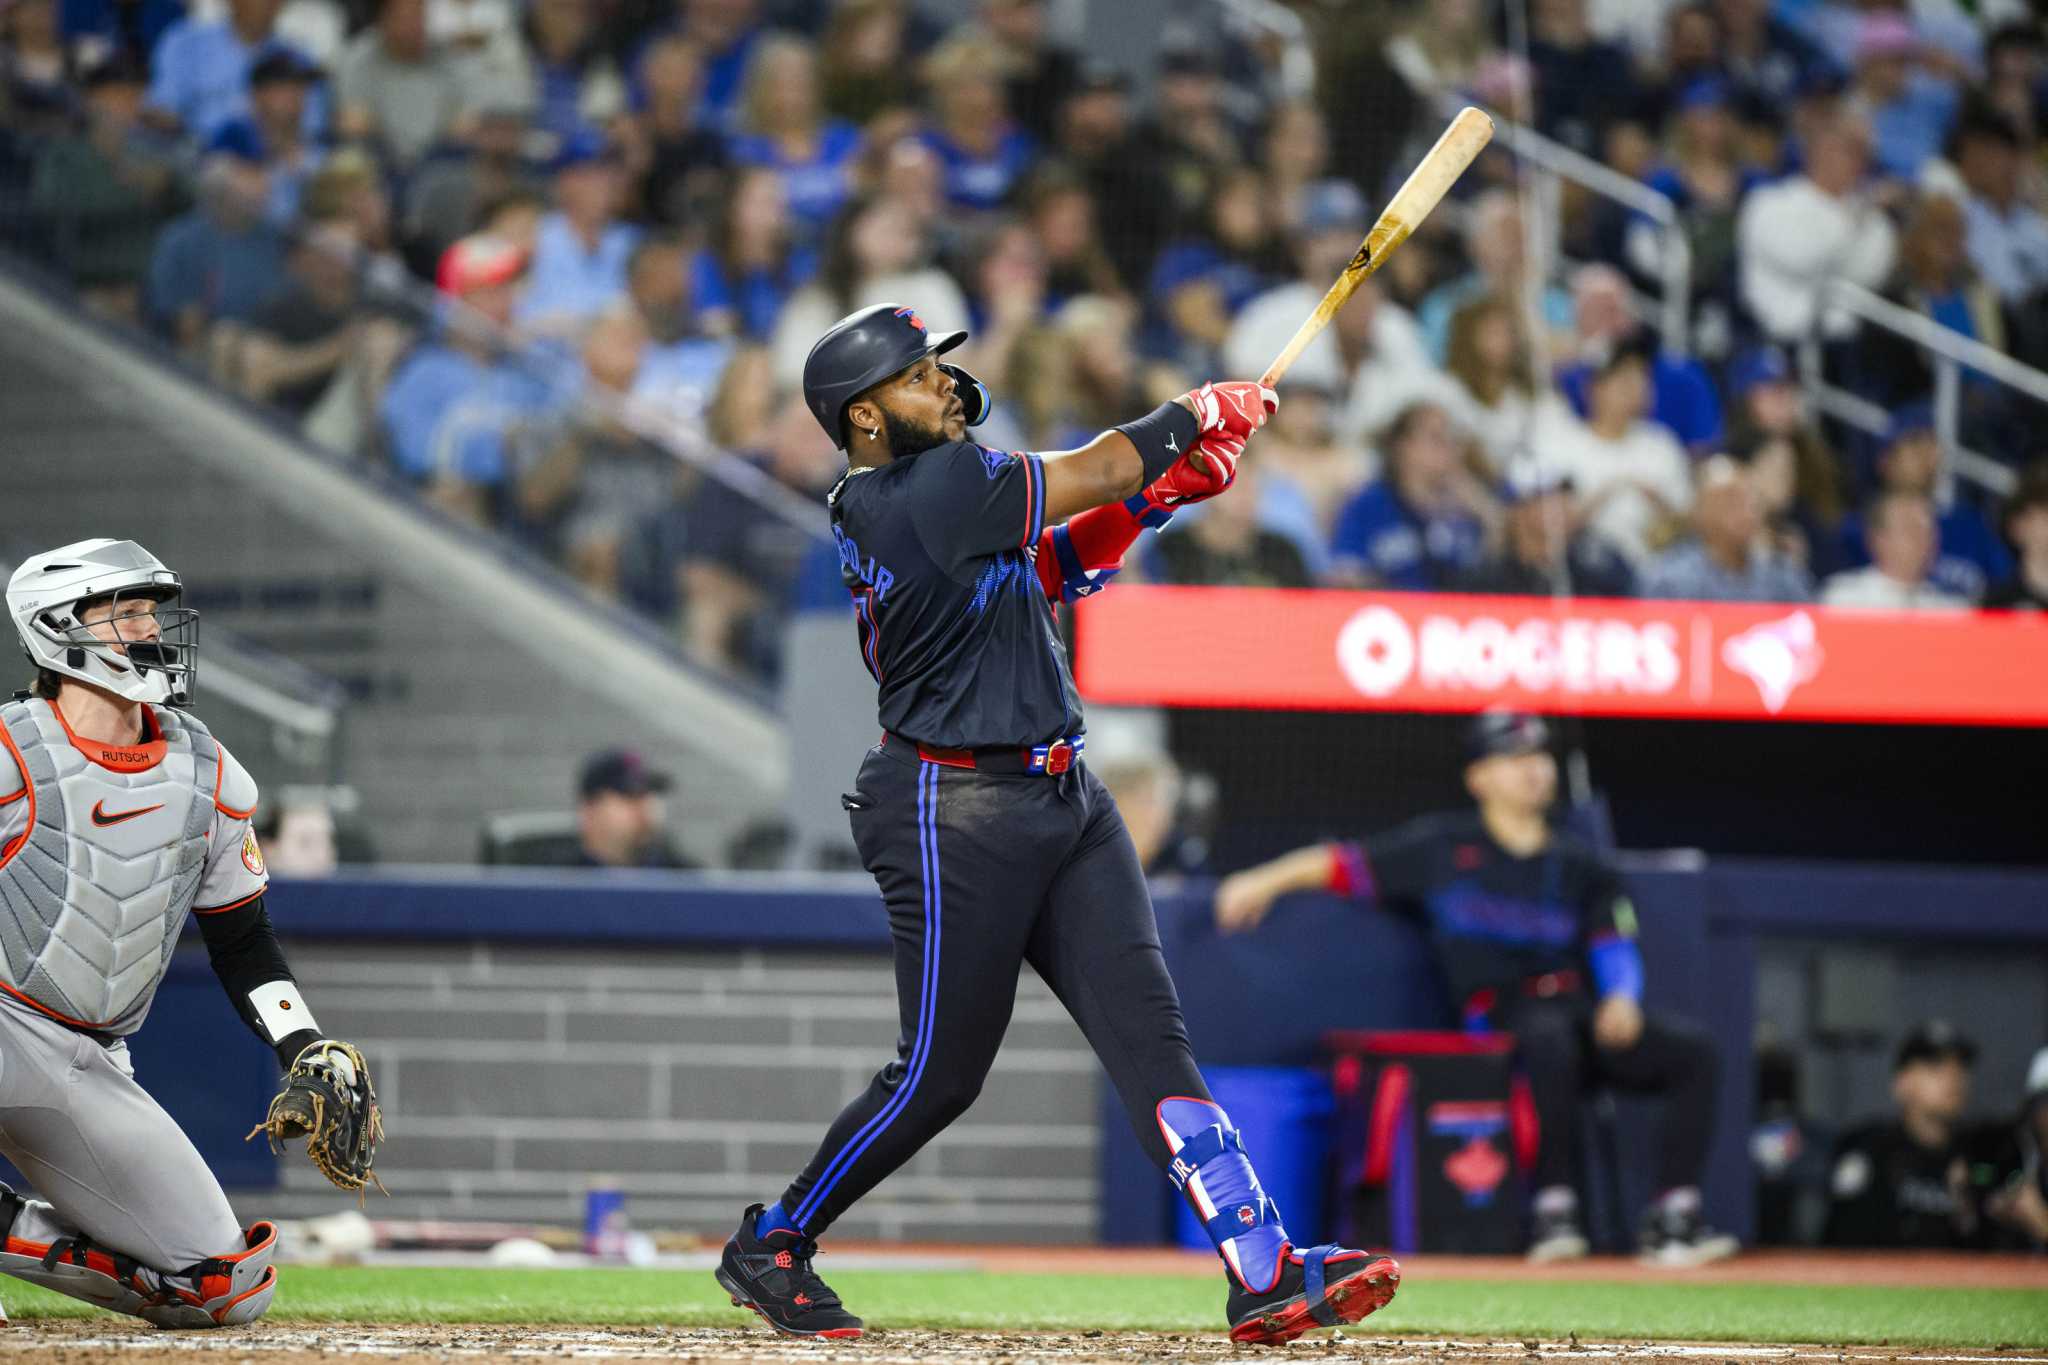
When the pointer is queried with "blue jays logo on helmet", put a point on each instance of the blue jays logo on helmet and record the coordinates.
(910, 316)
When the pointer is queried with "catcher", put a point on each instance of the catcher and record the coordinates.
(118, 814)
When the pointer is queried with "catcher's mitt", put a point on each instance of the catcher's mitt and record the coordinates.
(327, 1097)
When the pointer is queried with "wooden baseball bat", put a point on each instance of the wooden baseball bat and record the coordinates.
(1468, 134)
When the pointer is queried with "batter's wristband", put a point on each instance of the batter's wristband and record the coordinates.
(1162, 436)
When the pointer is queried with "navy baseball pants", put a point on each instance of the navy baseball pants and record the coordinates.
(1673, 1060)
(982, 873)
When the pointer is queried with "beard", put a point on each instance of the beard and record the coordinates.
(907, 438)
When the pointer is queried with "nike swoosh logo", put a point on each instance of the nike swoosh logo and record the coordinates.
(101, 818)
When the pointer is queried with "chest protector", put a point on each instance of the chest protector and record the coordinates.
(93, 898)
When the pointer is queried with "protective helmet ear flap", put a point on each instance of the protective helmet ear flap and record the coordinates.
(974, 395)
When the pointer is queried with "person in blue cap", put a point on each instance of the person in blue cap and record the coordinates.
(273, 132)
(620, 821)
(1542, 552)
(1969, 556)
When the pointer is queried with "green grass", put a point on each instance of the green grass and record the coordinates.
(1462, 1308)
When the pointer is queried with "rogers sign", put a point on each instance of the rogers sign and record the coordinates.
(1326, 650)
(1380, 653)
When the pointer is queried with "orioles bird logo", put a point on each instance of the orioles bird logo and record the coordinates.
(910, 316)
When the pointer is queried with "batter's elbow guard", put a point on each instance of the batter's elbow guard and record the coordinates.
(974, 395)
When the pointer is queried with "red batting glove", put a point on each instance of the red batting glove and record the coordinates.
(1189, 480)
(1234, 406)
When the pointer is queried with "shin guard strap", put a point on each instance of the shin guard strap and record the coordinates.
(1314, 1263)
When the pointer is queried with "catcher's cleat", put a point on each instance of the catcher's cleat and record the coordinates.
(772, 1275)
(1325, 1286)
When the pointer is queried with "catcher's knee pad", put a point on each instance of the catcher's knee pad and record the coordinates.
(221, 1291)
(1211, 1170)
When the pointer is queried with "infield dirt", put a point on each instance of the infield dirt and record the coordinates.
(104, 1343)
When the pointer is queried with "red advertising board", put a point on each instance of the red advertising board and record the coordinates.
(1353, 651)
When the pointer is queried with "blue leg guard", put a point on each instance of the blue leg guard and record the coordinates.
(1213, 1173)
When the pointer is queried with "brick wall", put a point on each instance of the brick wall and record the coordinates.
(701, 1080)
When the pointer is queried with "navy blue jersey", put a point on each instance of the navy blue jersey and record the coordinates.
(1496, 919)
(939, 552)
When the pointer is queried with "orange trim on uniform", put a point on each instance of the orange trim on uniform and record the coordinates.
(220, 774)
(40, 1007)
(231, 905)
(269, 1281)
(28, 787)
(120, 758)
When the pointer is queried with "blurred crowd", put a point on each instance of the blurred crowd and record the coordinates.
(521, 253)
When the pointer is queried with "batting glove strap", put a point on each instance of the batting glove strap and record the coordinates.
(1146, 512)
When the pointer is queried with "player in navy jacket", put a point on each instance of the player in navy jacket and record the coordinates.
(1535, 936)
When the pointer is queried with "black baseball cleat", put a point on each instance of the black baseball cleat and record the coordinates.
(1679, 1240)
(772, 1275)
(1325, 1286)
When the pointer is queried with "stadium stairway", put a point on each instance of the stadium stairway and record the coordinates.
(478, 678)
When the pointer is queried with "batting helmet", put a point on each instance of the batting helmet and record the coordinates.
(861, 351)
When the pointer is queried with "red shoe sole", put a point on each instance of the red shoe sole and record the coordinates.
(830, 1333)
(1358, 1295)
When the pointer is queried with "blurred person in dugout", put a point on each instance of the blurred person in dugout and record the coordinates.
(297, 835)
(1926, 1177)
(2017, 1198)
(1535, 936)
(620, 818)
(1148, 789)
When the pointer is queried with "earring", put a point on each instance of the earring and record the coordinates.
(873, 432)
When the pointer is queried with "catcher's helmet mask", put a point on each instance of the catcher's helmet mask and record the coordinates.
(48, 598)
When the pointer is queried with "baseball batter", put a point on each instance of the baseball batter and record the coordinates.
(118, 814)
(991, 841)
